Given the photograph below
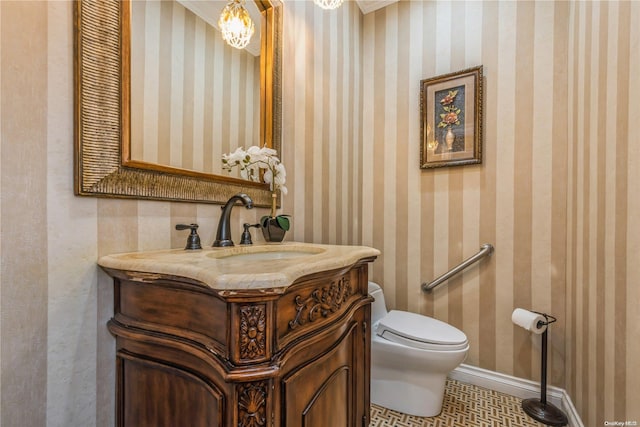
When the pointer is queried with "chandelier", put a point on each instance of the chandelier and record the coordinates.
(236, 24)
(328, 4)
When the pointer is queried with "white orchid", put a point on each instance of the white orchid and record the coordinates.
(276, 175)
(233, 158)
(252, 160)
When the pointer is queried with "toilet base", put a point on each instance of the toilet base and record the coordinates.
(410, 380)
(410, 399)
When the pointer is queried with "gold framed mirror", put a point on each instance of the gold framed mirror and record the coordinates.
(103, 166)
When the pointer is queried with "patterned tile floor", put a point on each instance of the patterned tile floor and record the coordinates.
(465, 406)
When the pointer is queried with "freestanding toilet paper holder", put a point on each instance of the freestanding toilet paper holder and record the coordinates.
(539, 409)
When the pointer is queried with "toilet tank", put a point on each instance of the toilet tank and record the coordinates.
(378, 307)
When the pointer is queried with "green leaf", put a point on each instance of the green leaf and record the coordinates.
(283, 222)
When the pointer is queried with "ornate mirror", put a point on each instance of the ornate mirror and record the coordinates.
(109, 121)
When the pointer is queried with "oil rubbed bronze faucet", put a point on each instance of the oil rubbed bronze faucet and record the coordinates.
(223, 236)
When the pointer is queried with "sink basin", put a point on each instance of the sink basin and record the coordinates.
(265, 253)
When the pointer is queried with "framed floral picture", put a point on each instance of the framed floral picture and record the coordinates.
(451, 119)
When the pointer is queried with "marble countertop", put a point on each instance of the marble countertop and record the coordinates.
(265, 266)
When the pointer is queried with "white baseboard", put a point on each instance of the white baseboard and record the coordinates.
(517, 387)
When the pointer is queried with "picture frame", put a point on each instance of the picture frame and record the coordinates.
(451, 119)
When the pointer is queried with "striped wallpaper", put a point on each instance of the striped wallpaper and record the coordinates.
(322, 128)
(555, 194)
(193, 97)
(603, 239)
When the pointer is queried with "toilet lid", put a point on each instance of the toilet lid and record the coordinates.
(420, 331)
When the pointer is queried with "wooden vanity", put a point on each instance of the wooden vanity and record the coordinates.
(210, 339)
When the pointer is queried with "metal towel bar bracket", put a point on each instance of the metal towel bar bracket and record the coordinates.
(485, 250)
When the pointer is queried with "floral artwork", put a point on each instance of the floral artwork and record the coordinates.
(451, 119)
(450, 112)
(451, 115)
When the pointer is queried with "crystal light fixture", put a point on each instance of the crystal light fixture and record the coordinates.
(328, 4)
(236, 24)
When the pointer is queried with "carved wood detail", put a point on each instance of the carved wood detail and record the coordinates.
(252, 404)
(253, 322)
(321, 302)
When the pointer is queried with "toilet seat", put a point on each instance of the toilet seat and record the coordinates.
(418, 331)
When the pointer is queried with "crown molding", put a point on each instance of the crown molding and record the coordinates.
(367, 6)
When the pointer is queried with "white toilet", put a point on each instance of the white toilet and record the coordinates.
(411, 355)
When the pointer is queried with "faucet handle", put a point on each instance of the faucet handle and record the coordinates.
(246, 235)
(193, 241)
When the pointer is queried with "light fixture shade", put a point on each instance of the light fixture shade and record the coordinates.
(328, 4)
(236, 24)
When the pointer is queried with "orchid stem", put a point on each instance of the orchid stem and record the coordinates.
(274, 199)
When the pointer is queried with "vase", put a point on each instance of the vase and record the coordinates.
(449, 138)
(272, 231)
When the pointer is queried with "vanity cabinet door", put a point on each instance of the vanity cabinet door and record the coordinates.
(156, 394)
(328, 390)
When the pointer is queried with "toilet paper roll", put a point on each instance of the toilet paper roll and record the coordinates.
(529, 320)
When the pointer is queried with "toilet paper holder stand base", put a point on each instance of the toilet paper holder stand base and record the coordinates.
(539, 409)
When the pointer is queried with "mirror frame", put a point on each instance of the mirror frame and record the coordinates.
(102, 166)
